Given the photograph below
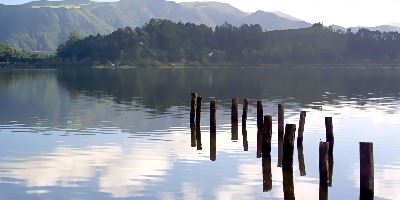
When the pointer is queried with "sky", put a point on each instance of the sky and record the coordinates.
(340, 12)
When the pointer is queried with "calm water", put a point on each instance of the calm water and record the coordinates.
(110, 134)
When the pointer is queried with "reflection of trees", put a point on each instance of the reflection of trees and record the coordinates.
(162, 88)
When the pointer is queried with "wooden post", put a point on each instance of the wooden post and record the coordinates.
(213, 123)
(259, 115)
(234, 119)
(234, 111)
(329, 133)
(267, 173)
(213, 131)
(288, 146)
(193, 108)
(198, 111)
(301, 128)
(244, 115)
(300, 156)
(280, 133)
(323, 162)
(244, 128)
(288, 186)
(259, 128)
(281, 121)
(267, 135)
(198, 131)
(366, 170)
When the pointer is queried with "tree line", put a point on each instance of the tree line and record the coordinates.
(163, 41)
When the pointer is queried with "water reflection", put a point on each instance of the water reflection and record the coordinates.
(125, 134)
(125, 174)
(288, 185)
(300, 156)
(267, 175)
(193, 138)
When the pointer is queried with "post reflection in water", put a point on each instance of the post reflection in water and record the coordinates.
(288, 185)
(234, 131)
(245, 142)
(330, 169)
(193, 135)
(198, 138)
(267, 174)
(323, 191)
(213, 131)
(124, 129)
(213, 146)
(300, 156)
(280, 152)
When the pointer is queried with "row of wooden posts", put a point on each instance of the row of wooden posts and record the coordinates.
(286, 137)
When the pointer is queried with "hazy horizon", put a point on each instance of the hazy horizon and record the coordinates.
(369, 13)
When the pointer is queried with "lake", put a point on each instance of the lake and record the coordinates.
(125, 134)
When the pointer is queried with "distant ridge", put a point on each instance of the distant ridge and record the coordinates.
(43, 25)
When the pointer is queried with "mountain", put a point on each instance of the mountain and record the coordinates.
(43, 25)
(284, 15)
(271, 21)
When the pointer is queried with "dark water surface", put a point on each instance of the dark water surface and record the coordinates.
(125, 134)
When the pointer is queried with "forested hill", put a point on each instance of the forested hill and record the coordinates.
(165, 41)
(43, 25)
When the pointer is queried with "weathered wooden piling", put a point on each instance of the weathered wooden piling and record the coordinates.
(281, 121)
(288, 186)
(234, 119)
(213, 121)
(193, 108)
(244, 123)
(267, 135)
(198, 110)
(267, 173)
(366, 170)
(244, 114)
(301, 128)
(329, 133)
(234, 111)
(288, 146)
(323, 162)
(213, 131)
(300, 156)
(198, 131)
(259, 128)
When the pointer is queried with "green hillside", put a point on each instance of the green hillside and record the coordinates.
(43, 25)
